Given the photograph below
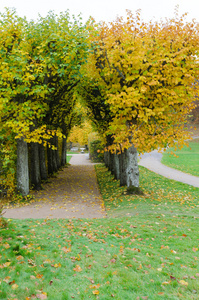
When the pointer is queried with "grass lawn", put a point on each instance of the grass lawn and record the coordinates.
(146, 248)
(187, 159)
(68, 157)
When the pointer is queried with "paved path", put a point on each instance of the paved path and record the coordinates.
(73, 193)
(152, 161)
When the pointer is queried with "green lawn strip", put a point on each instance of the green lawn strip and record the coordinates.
(161, 195)
(187, 159)
(149, 252)
(68, 158)
(124, 258)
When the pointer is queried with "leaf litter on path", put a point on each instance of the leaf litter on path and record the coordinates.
(74, 193)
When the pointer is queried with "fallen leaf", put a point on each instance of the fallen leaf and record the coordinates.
(77, 268)
(66, 250)
(14, 286)
(7, 279)
(182, 282)
(42, 296)
(165, 282)
(96, 292)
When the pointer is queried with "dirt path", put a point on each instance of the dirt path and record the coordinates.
(73, 194)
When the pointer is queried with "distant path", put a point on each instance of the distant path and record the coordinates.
(152, 161)
(74, 193)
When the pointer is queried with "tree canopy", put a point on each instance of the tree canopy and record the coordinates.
(137, 80)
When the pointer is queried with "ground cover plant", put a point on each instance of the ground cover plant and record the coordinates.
(146, 248)
(186, 159)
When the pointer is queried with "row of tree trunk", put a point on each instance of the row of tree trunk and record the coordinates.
(35, 163)
(124, 166)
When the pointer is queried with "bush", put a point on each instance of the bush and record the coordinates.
(95, 150)
(3, 222)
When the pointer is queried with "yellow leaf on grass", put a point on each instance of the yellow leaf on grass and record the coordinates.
(6, 245)
(183, 282)
(96, 292)
(66, 250)
(19, 257)
(56, 265)
(77, 268)
(14, 286)
(6, 264)
(166, 282)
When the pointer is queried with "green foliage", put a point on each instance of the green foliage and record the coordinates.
(40, 65)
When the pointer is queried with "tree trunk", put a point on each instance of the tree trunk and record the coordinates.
(50, 160)
(22, 167)
(64, 152)
(132, 170)
(111, 163)
(106, 158)
(57, 152)
(35, 167)
(42, 162)
(116, 166)
(123, 166)
(54, 160)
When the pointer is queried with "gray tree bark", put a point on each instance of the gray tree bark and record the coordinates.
(111, 163)
(132, 169)
(64, 152)
(50, 160)
(42, 162)
(35, 166)
(22, 167)
(57, 153)
(122, 168)
(54, 160)
(116, 166)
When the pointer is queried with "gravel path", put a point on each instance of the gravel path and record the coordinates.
(74, 193)
(152, 161)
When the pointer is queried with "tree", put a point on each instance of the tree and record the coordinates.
(146, 72)
(39, 68)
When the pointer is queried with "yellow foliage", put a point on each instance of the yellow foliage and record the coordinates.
(148, 73)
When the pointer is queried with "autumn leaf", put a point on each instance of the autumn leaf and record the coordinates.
(77, 268)
(56, 265)
(66, 250)
(14, 286)
(182, 282)
(42, 296)
(96, 292)
(7, 279)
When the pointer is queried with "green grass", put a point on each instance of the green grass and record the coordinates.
(146, 248)
(68, 158)
(187, 159)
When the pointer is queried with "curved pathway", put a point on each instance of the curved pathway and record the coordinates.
(74, 193)
(152, 161)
